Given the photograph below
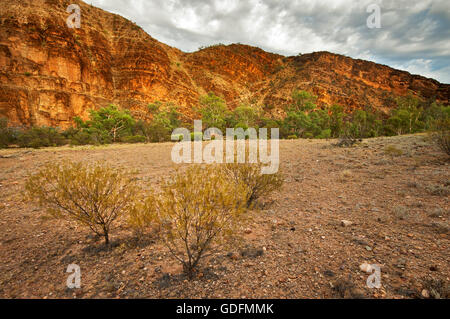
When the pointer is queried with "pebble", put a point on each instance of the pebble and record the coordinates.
(346, 223)
(425, 293)
(401, 263)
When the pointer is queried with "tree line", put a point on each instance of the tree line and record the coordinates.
(303, 119)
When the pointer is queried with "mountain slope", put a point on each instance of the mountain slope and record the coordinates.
(50, 73)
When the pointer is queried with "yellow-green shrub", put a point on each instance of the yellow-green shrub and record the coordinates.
(257, 184)
(94, 195)
(392, 151)
(442, 135)
(196, 210)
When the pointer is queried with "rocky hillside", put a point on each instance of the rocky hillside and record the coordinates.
(50, 73)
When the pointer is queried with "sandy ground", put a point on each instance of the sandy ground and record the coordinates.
(294, 247)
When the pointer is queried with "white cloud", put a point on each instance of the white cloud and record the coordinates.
(415, 34)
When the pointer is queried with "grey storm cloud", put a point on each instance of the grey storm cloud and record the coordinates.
(414, 34)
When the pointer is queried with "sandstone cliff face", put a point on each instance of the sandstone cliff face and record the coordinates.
(337, 79)
(50, 73)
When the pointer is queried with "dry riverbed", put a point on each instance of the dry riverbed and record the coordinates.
(338, 208)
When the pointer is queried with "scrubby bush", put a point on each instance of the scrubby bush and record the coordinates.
(37, 137)
(82, 137)
(134, 139)
(87, 136)
(250, 175)
(196, 136)
(392, 151)
(438, 189)
(177, 137)
(196, 211)
(442, 135)
(7, 135)
(436, 288)
(345, 176)
(93, 195)
(346, 139)
(324, 134)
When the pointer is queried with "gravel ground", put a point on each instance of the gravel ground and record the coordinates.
(395, 208)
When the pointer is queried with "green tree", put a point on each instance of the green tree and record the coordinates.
(336, 120)
(117, 123)
(405, 119)
(303, 100)
(162, 125)
(154, 108)
(433, 113)
(296, 123)
(320, 124)
(245, 116)
(214, 111)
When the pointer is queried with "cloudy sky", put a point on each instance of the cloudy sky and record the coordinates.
(414, 34)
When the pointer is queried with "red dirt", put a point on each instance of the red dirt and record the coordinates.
(399, 207)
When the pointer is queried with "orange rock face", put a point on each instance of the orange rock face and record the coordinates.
(50, 73)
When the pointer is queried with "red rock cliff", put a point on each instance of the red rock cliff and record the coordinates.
(50, 73)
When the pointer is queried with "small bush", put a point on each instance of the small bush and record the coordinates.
(438, 189)
(93, 195)
(196, 210)
(134, 139)
(258, 184)
(292, 137)
(347, 141)
(177, 137)
(392, 151)
(437, 288)
(37, 137)
(324, 134)
(438, 212)
(345, 175)
(6, 133)
(400, 212)
(81, 137)
(196, 136)
(442, 135)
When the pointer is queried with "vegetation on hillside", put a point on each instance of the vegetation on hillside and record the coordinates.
(303, 119)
